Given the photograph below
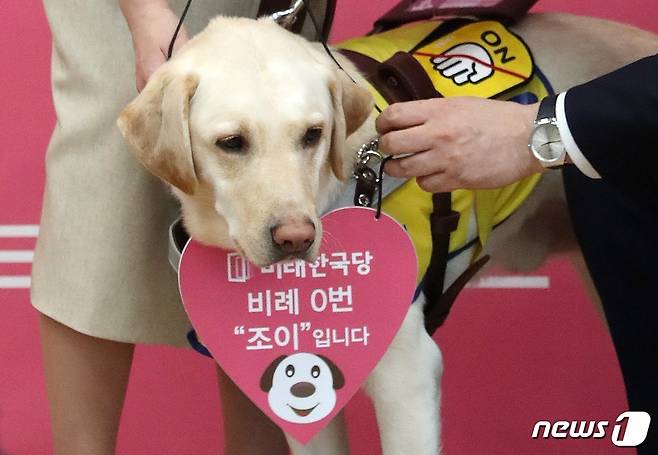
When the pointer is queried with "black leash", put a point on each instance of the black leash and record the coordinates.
(320, 38)
(178, 27)
(380, 180)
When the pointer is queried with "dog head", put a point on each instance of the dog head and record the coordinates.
(301, 388)
(248, 124)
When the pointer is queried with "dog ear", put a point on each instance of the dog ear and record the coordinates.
(268, 375)
(339, 379)
(156, 125)
(352, 106)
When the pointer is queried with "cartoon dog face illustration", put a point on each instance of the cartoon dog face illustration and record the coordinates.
(302, 387)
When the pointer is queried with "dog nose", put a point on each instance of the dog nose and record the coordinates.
(294, 235)
(302, 389)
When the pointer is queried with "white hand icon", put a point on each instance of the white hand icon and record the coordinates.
(464, 63)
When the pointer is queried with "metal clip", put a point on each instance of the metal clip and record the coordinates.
(287, 17)
(366, 178)
(369, 150)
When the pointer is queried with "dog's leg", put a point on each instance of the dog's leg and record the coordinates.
(332, 440)
(404, 388)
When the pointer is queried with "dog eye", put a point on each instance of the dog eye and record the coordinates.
(315, 371)
(312, 136)
(231, 144)
(290, 371)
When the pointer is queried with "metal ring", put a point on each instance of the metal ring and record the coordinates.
(364, 200)
(288, 17)
(369, 150)
(365, 157)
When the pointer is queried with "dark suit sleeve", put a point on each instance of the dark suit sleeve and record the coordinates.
(614, 121)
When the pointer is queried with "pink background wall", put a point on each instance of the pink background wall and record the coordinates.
(512, 356)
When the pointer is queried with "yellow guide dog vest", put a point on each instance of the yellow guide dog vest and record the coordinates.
(481, 59)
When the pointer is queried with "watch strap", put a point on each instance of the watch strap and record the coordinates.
(547, 108)
(565, 162)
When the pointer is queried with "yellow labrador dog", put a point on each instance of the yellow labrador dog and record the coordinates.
(256, 131)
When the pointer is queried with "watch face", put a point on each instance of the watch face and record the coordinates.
(546, 142)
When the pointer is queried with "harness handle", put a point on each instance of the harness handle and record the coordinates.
(402, 78)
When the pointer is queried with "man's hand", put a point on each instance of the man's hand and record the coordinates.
(459, 142)
(152, 25)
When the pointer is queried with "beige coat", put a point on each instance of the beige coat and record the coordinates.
(100, 263)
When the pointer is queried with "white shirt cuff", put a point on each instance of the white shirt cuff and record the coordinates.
(570, 145)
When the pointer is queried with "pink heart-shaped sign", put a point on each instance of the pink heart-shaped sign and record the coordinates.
(300, 338)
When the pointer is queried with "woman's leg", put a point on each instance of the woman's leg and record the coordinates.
(86, 380)
(246, 429)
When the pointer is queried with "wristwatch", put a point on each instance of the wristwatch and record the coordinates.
(545, 141)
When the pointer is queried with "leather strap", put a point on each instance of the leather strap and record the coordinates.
(366, 186)
(442, 222)
(402, 78)
(435, 315)
(547, 108)
(366, 65)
